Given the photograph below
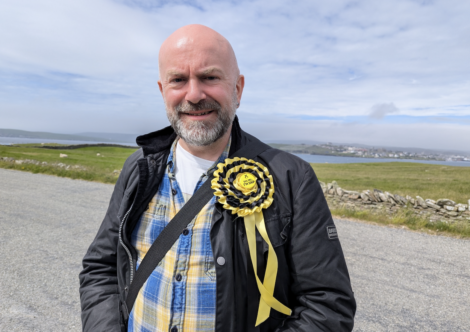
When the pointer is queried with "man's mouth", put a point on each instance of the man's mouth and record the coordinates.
(199, 113)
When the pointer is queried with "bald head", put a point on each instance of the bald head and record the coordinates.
(193, 41)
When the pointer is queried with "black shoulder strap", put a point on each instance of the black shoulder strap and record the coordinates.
(172, 231)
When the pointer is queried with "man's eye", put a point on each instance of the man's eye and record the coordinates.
(177, 80)
(211, 78)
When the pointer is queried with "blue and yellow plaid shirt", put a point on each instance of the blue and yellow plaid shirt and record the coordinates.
(180, 293)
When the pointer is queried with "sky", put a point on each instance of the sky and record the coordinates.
(389, 72)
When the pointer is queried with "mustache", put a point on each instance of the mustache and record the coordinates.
(205, 104)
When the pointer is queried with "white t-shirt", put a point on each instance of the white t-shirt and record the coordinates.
(189, 169)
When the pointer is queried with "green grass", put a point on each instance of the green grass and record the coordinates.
(425, 180)
(407, 218)
(98, 168)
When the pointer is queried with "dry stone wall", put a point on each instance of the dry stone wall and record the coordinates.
(444, 210)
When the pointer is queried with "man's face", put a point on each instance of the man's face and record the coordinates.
(201, 91)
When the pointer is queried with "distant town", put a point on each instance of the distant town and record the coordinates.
(330, 149)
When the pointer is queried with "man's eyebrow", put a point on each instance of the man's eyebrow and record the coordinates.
(211, 70)
(173, 72)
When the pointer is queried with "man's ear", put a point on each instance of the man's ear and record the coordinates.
(160, 86)
(239, 87)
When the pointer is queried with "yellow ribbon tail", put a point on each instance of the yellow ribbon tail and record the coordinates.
(252, 222)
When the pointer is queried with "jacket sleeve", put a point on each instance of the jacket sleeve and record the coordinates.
(99, 294)
(320, 279)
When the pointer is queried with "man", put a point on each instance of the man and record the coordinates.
(206, 281)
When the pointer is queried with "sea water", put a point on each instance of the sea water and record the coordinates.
(350, 160)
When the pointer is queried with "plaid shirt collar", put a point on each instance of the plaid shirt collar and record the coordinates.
(172, 157)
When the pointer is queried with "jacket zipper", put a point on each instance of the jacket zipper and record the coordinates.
(131, 262)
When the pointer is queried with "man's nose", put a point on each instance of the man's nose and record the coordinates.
(195, 92)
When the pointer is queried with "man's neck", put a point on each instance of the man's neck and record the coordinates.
(209, 152)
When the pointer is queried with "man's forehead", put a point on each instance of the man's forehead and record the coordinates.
(195, 58)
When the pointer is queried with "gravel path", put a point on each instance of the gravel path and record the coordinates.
(403, 281)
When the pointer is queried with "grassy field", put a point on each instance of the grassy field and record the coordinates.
(425, 180)
(97, 168)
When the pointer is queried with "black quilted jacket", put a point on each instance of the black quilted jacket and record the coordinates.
(312, 278)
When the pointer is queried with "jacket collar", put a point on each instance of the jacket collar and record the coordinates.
(161, 140)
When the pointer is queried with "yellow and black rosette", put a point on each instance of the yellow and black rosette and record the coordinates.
(245, 187)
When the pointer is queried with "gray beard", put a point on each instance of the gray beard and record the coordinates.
(202, 133)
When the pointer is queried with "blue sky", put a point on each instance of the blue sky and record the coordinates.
(390, 72)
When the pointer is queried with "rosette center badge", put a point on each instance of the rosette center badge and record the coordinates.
(246, 183)
(245, 187)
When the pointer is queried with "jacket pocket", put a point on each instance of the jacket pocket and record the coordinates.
(278, 228)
